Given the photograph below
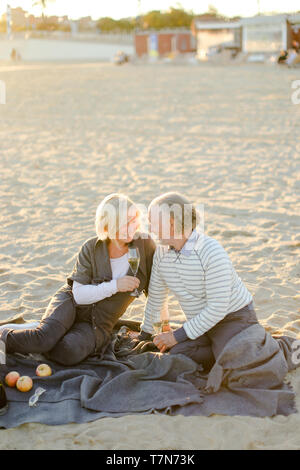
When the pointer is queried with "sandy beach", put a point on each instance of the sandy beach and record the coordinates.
(226, 137)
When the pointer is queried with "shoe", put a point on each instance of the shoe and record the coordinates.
(3, 400)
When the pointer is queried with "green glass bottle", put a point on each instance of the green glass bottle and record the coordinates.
(3, 400)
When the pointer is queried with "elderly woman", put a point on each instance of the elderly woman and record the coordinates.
(80, 317)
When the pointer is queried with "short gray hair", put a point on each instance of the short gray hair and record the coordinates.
(177, 206)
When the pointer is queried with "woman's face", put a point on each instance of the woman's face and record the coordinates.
(127, 231)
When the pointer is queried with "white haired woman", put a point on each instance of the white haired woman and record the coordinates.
(80, 317)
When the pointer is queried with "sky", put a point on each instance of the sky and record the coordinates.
(125, 8)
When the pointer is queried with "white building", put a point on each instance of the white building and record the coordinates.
(215, 34)
(262, 34)
(265, 34)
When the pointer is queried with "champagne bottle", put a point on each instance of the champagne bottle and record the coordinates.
(3, 400)
(165, 325)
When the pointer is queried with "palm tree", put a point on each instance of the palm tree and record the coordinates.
(40, 2)
(43, 4)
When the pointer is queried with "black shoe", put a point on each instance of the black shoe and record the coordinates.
(3, 400)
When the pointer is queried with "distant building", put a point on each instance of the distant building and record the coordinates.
(205, 18)
(53, 20)
(21, 20)
(164, 42)
(295, 25)
(262, 34)
(18, 18)
(32, 21)
(64, 20)
(87, 24)
(216, 34)
(266, 34)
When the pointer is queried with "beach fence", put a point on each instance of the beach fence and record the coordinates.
(65, 47)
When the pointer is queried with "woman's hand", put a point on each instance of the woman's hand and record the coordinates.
(127, 283)
(164, 341)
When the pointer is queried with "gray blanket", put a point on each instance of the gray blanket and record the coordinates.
(247, 379)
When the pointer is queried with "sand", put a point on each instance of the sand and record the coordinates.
(227, 138)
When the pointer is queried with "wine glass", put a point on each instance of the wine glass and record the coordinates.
(161, 326)
(157, 326)
(134, 261)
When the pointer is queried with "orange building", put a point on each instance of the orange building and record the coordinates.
(164, 42)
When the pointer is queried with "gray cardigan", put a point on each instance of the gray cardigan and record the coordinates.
(93, 267)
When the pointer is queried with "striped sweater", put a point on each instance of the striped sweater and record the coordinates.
(203, 280)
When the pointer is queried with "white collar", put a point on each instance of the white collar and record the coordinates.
(189, 245)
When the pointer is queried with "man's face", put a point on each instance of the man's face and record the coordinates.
(162, 226)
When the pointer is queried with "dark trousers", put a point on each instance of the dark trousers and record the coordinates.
(205, 349)
(59, 336)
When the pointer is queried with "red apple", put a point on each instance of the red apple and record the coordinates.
(24, 383)
(11, 378)
(43, 370)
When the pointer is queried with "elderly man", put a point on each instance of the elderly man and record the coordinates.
(198, 271)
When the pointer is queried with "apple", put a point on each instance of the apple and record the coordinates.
(43, 370)
(11, 378)
(24, 383)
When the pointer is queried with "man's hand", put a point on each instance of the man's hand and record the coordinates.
(164, 341)
(127, 283)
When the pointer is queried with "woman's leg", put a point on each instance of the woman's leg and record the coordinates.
(75, 346)
(198, 349)
(20, 326)
(57, 320)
